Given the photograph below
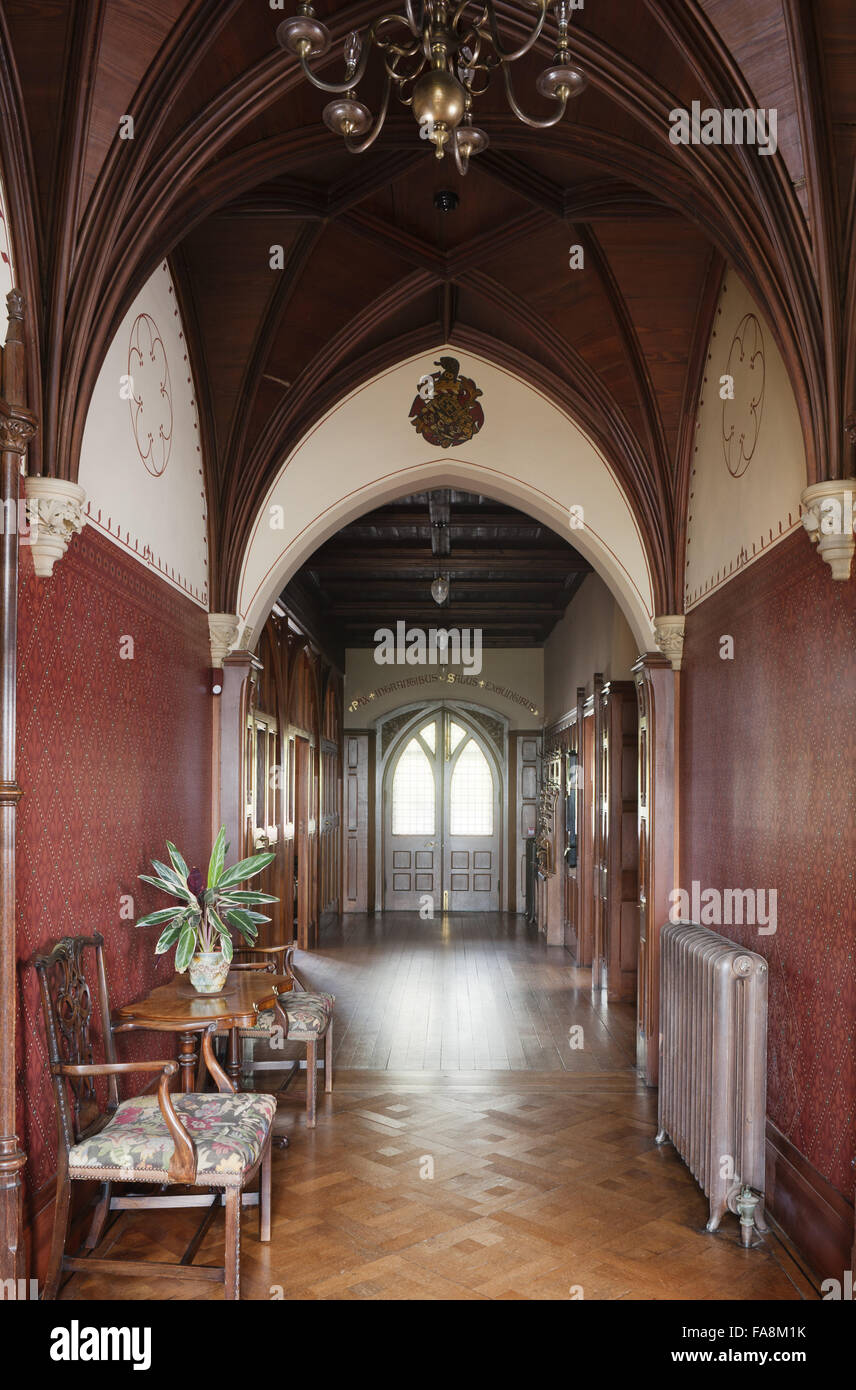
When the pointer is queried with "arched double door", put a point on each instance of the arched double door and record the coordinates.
(441, 819)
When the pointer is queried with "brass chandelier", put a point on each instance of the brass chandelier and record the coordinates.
(440, 56)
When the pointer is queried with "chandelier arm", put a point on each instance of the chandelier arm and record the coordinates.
(530, 42)
(521, 115)
(358, 147)
(462, 161)
(384, 43)
(338, 88)
(416, 26)
(459, 14)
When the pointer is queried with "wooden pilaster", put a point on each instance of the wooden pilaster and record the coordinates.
(17, 427)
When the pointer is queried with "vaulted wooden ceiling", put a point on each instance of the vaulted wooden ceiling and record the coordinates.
(230, 157)
(509, 576)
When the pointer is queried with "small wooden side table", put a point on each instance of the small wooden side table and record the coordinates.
(176, 1007)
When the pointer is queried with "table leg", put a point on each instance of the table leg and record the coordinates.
(233, 1061)
(187, 1061)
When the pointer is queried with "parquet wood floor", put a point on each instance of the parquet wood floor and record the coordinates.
(488, 1178)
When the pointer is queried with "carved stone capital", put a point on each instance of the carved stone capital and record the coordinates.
(55, 514)
(828, 517)
(223, 634)
(669, 631)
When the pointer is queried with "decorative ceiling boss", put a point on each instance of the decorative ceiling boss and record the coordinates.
(441, 57)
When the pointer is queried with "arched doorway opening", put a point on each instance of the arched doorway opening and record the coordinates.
(441, 814)
(529, 455)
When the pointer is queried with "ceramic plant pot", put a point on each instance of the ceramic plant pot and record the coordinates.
(208, 971)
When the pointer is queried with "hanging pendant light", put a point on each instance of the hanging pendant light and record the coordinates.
(440, 589)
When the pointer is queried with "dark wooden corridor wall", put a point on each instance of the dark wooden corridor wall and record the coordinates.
(598, 899)
(293, 786)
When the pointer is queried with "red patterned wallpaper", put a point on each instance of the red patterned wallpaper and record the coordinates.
(768, 800)
(113, 759)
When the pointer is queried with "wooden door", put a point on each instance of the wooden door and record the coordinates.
(600, 830)
(656, 692)
(471, 820)
(621, 841)
(441, 821)
(302, 861)
(413, 821)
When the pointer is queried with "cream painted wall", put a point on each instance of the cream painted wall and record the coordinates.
(512, 684)
(141, 460)
(365, 452)
(7, 268)
(592, 636)
(733, 520)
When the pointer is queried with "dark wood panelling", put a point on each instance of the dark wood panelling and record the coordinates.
(358, 876)
(809, 1209)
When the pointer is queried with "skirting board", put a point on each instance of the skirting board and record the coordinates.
(814, 1214)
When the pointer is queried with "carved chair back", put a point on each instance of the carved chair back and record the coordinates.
(279, 960)
(68, 973)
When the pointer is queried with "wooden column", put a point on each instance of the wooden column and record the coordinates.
(17, 427)
(238, 667)
(657, 819)
(598, 879)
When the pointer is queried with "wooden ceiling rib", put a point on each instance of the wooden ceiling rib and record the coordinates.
(230, 157)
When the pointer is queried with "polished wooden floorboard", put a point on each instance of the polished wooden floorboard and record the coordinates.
(486, 1177)
(468, 991)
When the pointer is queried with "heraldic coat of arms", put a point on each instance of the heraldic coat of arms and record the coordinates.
(446, 410)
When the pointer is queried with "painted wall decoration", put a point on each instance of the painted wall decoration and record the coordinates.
(743, 412)
(114, 759)
(446, 410)
(769, 801)
(510, 683)
(749, 462)
(141, 459)
(7, 268)
(150, 400)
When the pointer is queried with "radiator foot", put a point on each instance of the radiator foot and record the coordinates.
(715, 1219)
(750, 1218)
(661, 1137)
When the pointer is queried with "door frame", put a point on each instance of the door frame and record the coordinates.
(461, 710)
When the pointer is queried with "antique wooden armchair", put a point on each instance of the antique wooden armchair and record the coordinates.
(305, 1017)
(213, 1141)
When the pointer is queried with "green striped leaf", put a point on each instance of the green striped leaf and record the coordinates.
(243, 923)
(159, 883)
(164, 914)
(245, 869)
(168, 938)
(225, 940)
(177, 861)
(169, 875)
(218, 855)
(239, 896)
(186, 947)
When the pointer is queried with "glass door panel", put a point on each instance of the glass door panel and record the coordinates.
(441, 822)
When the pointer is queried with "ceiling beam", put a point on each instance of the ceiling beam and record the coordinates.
(439, 510)
(464, 561)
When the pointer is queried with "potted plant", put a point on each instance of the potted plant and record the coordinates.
(200, 928)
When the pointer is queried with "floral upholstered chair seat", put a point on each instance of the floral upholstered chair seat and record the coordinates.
(229, 1132)
(307, 1012)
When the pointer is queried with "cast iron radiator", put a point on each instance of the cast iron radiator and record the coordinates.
(713, 1067)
